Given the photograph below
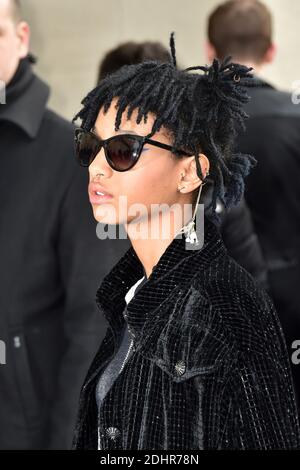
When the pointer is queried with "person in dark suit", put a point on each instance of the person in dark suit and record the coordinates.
(244, 30)
(51, 259)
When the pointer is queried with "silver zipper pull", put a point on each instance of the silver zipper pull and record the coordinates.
(127, 354)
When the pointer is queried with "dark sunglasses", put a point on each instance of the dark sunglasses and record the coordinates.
(121, 151)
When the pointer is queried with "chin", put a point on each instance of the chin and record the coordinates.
(105, 214)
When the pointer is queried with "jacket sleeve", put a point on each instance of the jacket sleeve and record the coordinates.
(264, 412)
(79, 259)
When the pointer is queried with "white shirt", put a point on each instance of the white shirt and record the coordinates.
(131, 291)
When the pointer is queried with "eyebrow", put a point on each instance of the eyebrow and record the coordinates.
(121, 131)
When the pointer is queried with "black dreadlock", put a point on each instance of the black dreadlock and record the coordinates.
(202, 111)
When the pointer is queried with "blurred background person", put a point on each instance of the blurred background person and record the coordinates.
(51, 259)
(236, 223)
(243, 29)
(130, 53)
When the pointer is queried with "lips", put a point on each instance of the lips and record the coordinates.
(98, 194)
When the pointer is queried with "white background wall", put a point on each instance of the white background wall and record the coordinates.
(71, 36)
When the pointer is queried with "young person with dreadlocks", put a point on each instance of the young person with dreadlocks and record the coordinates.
(236, 225)
(196, 359)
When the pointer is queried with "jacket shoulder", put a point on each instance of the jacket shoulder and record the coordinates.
(271, 102)
(58, 123)
(244, 309)
(56, 135)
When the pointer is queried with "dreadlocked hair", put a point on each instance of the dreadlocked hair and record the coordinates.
(203, 111)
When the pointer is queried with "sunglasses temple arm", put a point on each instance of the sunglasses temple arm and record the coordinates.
(167, 147)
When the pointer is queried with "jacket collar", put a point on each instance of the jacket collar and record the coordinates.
(26, 100)
(175, 268)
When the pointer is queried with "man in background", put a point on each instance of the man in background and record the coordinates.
(51, 261)
(243, 29)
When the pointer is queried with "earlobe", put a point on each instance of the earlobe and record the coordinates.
(270, 54)
(210, 51)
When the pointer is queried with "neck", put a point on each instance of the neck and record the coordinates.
(151, 238)
(149, 252)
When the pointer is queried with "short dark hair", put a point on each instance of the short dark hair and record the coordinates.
(202, 111)
(240, 28)
(130, 53)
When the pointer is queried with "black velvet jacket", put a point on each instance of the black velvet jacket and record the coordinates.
(210, 368)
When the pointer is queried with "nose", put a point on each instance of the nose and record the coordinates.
(100, 166)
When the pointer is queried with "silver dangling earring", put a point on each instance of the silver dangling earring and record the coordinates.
(189, 229)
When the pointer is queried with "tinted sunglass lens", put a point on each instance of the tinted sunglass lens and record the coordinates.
(87, 147)
(123, 152)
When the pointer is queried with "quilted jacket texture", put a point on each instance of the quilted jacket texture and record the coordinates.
(210, 368)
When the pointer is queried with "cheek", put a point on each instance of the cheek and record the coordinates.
(152, 184)
(8, 58)
(5, 49)
(8, 42)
